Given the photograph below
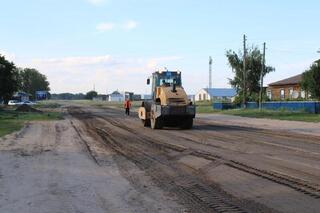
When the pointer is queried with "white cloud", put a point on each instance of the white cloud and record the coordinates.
(103, 27)
(130, 25)
(106, 26)
(161, 61)
(79, 74)
(76, 61)
(96, 2)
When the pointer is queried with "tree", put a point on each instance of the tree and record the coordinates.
(32, 80)
(310, 80)
(253, 66)
(91, 94)
(9, 82)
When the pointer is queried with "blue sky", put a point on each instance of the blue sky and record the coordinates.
(117, 44)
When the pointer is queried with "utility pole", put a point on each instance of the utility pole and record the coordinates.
(261, 75)
(210, 72)
(244, 72)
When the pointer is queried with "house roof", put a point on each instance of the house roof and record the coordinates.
(19, 94)
(288, 81)
(221, 92)
(115, 93)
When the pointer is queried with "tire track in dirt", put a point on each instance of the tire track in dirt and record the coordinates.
(305, 187)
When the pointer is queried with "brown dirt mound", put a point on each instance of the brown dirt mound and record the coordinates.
(27, 108)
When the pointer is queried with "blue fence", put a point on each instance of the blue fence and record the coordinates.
(222, 106)
(298, 106)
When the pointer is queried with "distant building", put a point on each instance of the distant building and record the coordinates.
(205, 94)
(41, 95)
(136, 97)
(21, 96)
(116, 96)
(100, 98)
(288, 88)
(128, 95)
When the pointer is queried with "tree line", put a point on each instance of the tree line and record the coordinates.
(78, 96)
(14, 79)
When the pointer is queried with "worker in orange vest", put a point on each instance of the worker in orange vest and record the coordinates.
(127, 106)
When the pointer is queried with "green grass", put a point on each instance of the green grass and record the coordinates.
(47, 104)
(11, 120)
(205, 107)
(278, 115)
(9, 126)
(116, 104)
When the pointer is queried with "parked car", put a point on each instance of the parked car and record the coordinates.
(26, 103)
(13, 102)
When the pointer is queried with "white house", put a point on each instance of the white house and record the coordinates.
(216, 94)
(116, 96)
(21, 96)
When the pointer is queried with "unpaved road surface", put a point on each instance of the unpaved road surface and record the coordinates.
(307, 128)
(98, 160)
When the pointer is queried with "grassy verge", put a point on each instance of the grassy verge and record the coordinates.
(11, 120)
(205, 107)
(278, 115)
(135, 104)
(47, 104)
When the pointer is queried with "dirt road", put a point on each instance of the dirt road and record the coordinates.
(98, 160)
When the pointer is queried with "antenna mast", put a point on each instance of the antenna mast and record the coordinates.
(210, 72)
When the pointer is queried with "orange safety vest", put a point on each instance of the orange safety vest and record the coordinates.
(127, 104)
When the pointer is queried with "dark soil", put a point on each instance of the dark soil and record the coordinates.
(27, 108)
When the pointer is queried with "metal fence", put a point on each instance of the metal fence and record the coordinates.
(297, 106)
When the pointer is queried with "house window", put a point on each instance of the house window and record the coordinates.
(199, 97)
(282, 94)
(269, 94)
(204, 97)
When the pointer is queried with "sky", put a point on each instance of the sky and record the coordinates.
(116, 44)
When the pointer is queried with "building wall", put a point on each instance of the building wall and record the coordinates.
(202, 95)
(116, 98)
(285, 92)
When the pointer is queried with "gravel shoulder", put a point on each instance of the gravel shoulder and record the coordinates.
(269, 124)
(47, 168)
